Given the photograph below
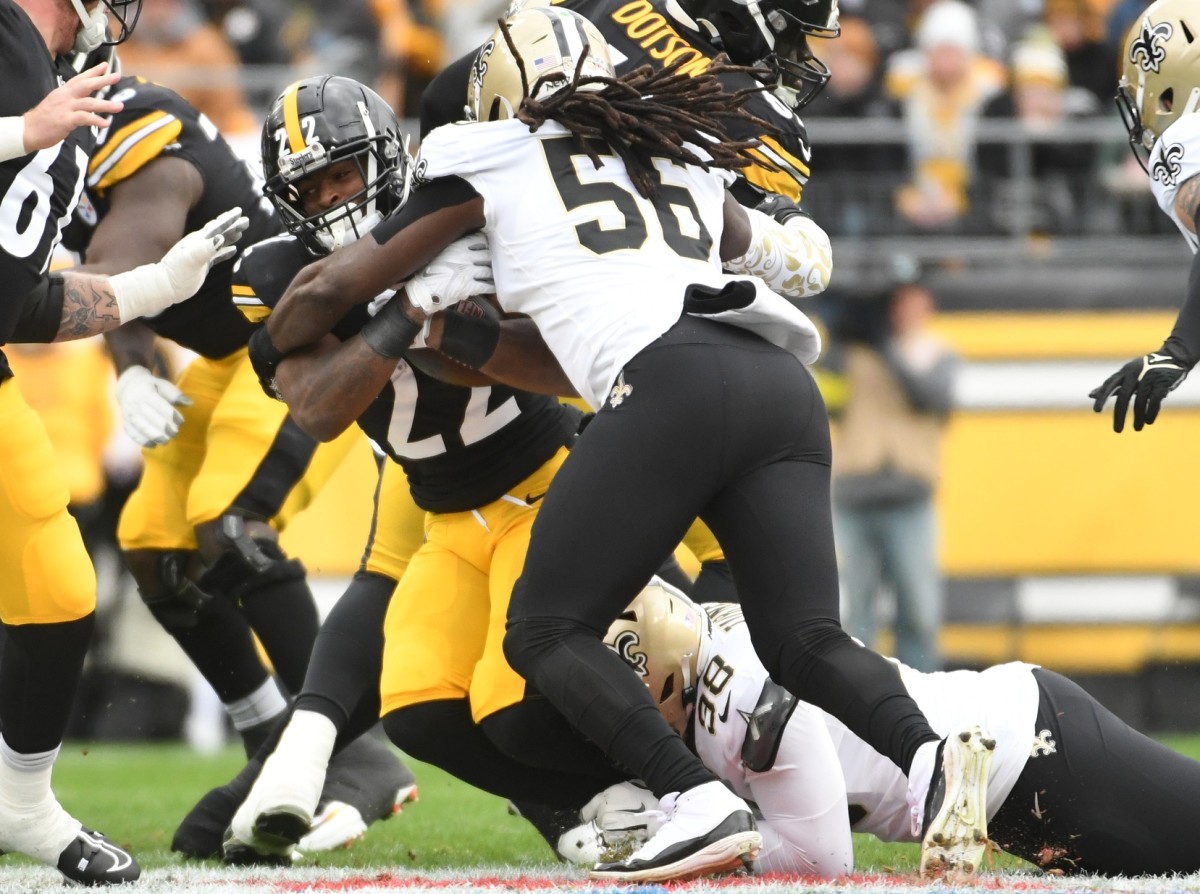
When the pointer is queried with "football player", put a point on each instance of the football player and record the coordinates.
(1072, 788)
(1158, 95)
(465, 473)
(687, 418)
(656, 33)
(224, 468)
(47, 604)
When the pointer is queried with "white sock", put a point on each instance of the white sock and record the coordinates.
(263, 704)
(31, 819)
(309, 737)
(294, 774)
(920, 775)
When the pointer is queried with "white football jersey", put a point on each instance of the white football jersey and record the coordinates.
(1174, 160)
(1002, 699)
(599, 268)
(801, 798)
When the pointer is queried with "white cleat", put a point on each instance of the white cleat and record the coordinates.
(280, 808)
(338, 824)
(955, 840)
(707, 830)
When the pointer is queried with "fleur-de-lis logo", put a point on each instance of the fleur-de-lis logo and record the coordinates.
(419, 168)
(480, 66)
(619, 392)
(1145, 52)
(626, 645)
(1043, 744)
(1166, 170)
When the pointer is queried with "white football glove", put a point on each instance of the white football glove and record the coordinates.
(148, 404)
(463, 269)
(622, 811)
(152, 288)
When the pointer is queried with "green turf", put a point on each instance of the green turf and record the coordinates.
(138, 793)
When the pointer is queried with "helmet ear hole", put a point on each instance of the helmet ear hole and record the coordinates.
(1166, 100)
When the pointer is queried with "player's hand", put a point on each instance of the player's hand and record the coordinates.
(70, 106)
(462, 270)
(189, 260)
(148, 406)
(1147, 380)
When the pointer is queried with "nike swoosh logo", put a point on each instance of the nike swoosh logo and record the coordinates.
(724, 715)
(530, 499)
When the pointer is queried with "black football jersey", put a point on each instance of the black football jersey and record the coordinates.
(39, 191)
(461, 448)
(640, 34)
(158, 123)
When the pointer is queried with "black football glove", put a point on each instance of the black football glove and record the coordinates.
(1147, 380)
(780, 208)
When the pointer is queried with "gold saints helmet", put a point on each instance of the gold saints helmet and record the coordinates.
(1160, 72)
(548, 42)
(659, 636)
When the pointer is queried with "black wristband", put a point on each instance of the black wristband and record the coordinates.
(780, 208)
(265, 358)
(469, 339)
(390, 332)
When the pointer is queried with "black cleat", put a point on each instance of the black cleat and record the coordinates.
(202, 831)
(91, 859)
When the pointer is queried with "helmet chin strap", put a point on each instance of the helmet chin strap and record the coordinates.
(93, 28)
(675, 11)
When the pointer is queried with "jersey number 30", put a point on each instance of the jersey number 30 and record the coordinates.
(565, 160)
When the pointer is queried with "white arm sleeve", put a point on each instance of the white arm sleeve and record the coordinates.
(12, 137)
(795, 259)
(805, 825)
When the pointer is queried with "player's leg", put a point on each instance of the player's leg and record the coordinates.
(1097, 796)
(47, 605)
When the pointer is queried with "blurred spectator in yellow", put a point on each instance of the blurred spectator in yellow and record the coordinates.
(412, 48)
(1078, 29)
(852, 190)
(942, 87)
(176, 46)
(69, 384)
(1049, 200)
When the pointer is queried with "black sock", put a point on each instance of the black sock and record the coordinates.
(284, 616)
(39, 674)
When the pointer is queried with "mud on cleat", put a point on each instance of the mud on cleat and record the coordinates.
(91, 859)
(237, 852)
(708, 830)
(955, 839)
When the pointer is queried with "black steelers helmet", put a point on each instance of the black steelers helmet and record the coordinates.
(773, 33)
(317, 122)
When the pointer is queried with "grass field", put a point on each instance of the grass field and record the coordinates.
(454, 838)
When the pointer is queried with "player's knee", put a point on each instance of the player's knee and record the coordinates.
(174, 599)
(416, 730)
(245, 561)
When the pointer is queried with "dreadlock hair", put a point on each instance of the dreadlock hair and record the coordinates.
(647, 114)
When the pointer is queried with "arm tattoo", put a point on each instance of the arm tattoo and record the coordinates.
(89, 307)
(1187, 198)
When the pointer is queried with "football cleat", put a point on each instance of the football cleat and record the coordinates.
(338, 824)
(91, 859)
(238, 852)
(955, 839)
(707, 830)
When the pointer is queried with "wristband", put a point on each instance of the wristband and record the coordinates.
(140, 291)
(469, 339)
(390, 332)
(264, 356)
(12, 137)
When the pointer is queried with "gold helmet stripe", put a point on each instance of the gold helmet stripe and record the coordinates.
(291, 117)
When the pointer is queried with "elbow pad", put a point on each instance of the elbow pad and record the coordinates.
(795, 258)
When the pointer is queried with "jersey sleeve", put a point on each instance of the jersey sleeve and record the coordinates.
(1174, 161)
(263, 273)
(17, 64)
(137, 135)
(783, 159)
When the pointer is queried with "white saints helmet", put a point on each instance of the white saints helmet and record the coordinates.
(1160, 72)
(659, 636)
(537, 57)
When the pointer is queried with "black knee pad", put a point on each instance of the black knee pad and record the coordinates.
(178, 603)
(246, 564)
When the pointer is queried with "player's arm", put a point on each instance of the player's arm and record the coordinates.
(325, 290)
(778, 243)
(1147, 380)
(328, 385)
(491, 348)
(65, 108)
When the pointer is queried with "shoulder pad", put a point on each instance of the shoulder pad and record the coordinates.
(263, 272)
(766, 725)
